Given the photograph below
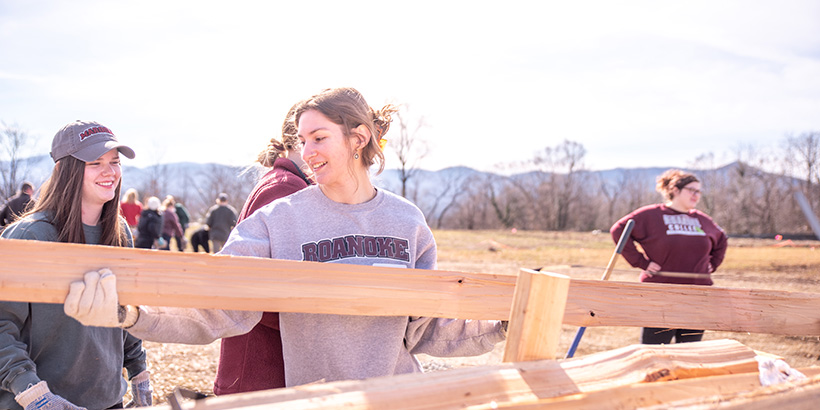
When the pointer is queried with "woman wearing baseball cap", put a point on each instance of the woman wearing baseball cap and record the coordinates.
(50, 360)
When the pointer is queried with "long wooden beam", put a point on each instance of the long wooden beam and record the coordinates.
(41, 271)
(798, 395)
(663, 395)
(508, 383)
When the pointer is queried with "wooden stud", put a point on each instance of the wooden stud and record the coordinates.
(536, 316)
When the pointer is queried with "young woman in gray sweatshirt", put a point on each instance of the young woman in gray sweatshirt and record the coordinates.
(341, 219)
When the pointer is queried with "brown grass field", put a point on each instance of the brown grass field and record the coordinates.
(749, 263)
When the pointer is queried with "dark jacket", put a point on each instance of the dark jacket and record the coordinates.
(221, 219)
(183, 215)
(83, 364)
(15, 207)
(150, 228)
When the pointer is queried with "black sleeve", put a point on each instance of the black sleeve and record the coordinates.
(134, 357)
(3, 214)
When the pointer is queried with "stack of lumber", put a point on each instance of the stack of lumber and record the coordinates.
(709, 374)
(637, 376)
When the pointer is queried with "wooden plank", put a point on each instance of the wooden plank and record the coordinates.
(596, 303)
(660, 395)
(508, 383)
(798, 395)
(41, 271)
(536, 317)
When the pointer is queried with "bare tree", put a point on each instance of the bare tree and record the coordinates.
(443, 196)
(611, 193)
(12, 161)
(158, 175)
(803, 154)
(565, 163)
(409, 147)
(474, 210)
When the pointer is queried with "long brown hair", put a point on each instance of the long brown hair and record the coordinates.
(62, 198)
(348, 108)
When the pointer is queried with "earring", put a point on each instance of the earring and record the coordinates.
(356, 156)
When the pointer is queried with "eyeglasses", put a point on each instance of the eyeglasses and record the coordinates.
(693, 191)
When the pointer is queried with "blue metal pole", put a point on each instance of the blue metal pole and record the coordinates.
(618, 249)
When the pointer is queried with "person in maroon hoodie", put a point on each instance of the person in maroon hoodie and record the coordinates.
(675, 237)
(253, 361)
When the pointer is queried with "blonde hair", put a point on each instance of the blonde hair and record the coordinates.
(348, 108)
(130, 196)
(673, 178)
(168, 202)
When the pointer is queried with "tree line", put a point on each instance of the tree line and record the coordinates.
(753, 196)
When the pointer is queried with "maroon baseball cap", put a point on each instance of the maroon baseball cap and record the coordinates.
(86, 141)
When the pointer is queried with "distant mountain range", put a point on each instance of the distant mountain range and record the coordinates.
(183, 177)
(197, 182)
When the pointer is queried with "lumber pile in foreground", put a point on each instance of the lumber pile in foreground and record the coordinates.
(41, 271)
(631, 377)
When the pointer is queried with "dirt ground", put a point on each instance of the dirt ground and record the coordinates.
(750, 263)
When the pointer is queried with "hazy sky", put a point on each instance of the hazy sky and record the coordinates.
(640, 83)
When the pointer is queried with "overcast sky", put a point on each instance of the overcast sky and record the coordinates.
(638, 83)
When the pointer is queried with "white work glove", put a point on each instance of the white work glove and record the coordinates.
(39, 397)
(141, 390)
(776, 371)
(94, 302)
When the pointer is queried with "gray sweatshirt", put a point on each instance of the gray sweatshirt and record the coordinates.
(307, 226)
(39, 342)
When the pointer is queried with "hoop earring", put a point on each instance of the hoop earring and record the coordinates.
(356, 156)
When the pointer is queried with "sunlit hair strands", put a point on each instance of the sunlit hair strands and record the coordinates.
(348, 108)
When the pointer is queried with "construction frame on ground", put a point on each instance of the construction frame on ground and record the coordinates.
(536, 303)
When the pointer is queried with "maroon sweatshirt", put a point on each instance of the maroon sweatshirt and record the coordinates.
(253, 361)
(678, 242)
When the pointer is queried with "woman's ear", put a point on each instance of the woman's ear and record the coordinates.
(362, 135)
(674, 192)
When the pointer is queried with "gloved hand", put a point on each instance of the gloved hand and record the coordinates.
(141, 390)
(39, 397)
(776, 371)
(94, 301)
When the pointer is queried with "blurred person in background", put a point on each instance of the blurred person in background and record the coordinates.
(675, 237)
(184, 219)
(17, 205)
(131, 207)
(150, 225)
(221, 218)
(170, 223)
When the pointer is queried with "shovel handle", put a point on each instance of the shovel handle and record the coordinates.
(618, 248)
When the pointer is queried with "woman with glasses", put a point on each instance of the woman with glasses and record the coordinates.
(675, 237)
